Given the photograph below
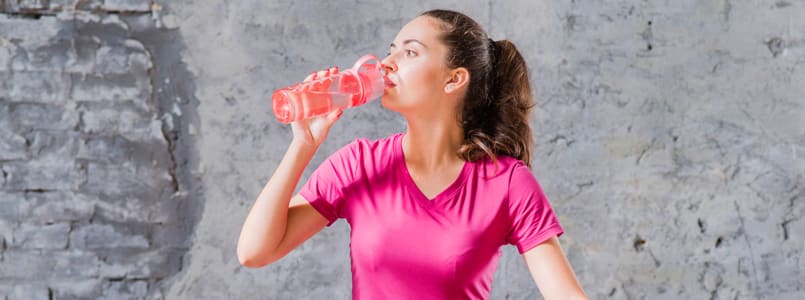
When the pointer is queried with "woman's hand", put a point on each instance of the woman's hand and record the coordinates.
(276, 224)
(313, 131)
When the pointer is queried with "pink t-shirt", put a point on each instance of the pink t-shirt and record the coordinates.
(405, 246)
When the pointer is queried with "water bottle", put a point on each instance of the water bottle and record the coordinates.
(356, 86)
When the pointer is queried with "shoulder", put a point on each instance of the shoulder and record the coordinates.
(519, 172)
(503, 169)
(523, 184)
(374, 144)
(365, 150)
(509, 173)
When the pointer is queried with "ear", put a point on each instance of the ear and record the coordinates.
(458, 79)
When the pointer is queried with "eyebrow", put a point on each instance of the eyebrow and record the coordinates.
(409, 41)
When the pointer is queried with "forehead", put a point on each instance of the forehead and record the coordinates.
(423, 28)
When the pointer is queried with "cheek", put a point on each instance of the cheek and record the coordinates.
(422, 80)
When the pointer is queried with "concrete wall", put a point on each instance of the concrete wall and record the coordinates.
(96, 200)
(134, 137)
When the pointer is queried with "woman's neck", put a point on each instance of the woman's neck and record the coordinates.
(432, 145)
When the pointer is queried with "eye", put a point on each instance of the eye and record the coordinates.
(410, 53)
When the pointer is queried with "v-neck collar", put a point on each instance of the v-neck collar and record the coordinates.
(408, 180)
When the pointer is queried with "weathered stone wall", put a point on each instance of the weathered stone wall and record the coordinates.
(134, 137)
(91, 200)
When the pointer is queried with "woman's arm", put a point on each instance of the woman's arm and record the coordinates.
(552, 272)
(276, 224)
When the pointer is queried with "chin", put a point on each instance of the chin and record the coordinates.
(391, 103)
(387, 102)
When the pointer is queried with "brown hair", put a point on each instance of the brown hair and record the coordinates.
(496, 110)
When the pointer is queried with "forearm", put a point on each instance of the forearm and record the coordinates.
(552, 272)
(265, 225)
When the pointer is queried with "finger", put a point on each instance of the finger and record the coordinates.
(319, 75)
(334, 116)
(310, 77)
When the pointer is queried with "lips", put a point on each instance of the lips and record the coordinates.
(388, 83)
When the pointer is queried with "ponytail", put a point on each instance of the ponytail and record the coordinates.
(495, 114)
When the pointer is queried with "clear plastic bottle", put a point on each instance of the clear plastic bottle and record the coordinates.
(364, 82)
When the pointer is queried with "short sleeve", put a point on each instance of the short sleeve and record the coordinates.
(325, 187)
(531, 218)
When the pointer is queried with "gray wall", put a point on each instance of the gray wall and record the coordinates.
(135, 137)
(95, 196)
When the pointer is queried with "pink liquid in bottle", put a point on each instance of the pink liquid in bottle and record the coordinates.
(350, 88)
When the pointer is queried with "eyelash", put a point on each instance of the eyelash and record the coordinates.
(406, 51)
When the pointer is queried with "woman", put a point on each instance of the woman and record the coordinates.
(428, 208)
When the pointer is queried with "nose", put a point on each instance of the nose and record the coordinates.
(389, 65)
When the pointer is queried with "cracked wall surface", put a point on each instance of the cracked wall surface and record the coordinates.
(134, 137)
(94, 194)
